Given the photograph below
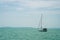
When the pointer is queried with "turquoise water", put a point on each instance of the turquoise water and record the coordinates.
(28, 34)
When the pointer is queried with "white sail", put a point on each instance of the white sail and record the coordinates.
(40, 23)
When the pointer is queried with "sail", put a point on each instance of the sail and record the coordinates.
(40, 23)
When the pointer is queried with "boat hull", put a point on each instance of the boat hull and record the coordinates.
(43, 30)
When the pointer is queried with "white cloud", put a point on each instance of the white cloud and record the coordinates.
(35, 3)
(19, 9)
(38, 4)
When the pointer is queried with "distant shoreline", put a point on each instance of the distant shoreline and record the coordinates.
(25, 27)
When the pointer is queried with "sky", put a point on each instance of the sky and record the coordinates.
(27, 13)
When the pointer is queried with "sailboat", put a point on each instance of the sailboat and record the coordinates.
(40, 25)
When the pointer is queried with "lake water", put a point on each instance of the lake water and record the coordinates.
(28, 34)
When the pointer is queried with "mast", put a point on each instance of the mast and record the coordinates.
(41, 21)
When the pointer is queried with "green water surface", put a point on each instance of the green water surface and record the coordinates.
(28, 34)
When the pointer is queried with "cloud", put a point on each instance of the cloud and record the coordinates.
(20, 9)
(47, 7)
(37, 4)
(31, 5)
(34, 3)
